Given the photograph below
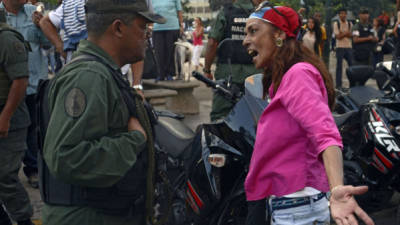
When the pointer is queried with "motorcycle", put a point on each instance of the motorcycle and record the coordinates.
(369, 122)
(201, 174)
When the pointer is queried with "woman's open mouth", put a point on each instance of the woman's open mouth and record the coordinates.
(252, 53)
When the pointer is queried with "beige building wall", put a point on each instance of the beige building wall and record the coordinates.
(200, 8)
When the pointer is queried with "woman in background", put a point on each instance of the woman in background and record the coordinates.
(198, 34)
(379, 33)
(312, 37)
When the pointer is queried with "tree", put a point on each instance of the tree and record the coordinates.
(185, 6)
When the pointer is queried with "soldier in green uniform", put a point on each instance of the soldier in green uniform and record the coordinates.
(14, 122)
(230, 23)
(94, 147)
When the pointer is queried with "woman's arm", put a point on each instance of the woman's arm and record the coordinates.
(342, 203)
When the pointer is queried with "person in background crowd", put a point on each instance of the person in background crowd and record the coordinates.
(379, 33)
(324, 37)
(342, 30)
(363, 39)
(14, 122)
(98, 149)
(165, 35)
(297, 156)
(312, 36)
(25, 19)
(65, 27)
(385, 19)
(396, 33)
(198, 35)
(229, 23)
(392, 19)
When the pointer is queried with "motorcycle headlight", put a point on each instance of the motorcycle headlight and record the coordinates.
(397, 130)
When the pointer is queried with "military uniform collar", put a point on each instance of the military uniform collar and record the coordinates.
(89, 47)
(243, 4)
(22, 9)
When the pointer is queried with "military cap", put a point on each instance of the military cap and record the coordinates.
(123, 6)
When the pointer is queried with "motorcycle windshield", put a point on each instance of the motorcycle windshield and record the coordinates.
(242, 120)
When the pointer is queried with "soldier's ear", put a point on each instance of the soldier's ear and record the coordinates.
(117, 27)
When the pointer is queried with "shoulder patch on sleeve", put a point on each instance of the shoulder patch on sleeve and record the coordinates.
(75, 103)
(19, 47)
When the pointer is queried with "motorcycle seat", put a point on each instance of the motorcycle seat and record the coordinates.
(341, 119)
(358, 75)
(363, 94)
(173, 136)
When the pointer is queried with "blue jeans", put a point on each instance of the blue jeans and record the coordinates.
(341, 53)
(314, 213)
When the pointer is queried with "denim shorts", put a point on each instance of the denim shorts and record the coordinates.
(316, 212)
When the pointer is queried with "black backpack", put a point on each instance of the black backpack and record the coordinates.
(348, 23)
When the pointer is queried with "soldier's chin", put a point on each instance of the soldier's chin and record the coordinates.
(137, 59)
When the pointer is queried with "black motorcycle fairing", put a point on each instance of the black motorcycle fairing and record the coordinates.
(173, 136)
(254, 86)
(363, 94)
(239, 127)
(341, 119)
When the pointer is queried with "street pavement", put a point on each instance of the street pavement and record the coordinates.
(204, 95)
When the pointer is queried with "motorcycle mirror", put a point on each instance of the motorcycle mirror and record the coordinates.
(228, 41)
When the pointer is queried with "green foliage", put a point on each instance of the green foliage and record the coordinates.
(185, 6)
(375, 6)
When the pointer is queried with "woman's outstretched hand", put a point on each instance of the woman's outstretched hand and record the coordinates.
(344, 207)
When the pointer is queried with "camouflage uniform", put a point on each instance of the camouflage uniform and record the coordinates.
(14, 65)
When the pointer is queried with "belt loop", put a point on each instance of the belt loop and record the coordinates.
(312, 200)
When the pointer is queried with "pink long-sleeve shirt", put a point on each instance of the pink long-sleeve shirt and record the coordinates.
(293, 131)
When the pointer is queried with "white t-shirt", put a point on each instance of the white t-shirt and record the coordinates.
(309, 40)
(55, 16)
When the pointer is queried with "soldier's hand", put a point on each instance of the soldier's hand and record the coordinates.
(133, 124)
(140, 92)
(4, 127)
(209, 76)
(36, 17)
(60, 50)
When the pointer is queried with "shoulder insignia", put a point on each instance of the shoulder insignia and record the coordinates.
(19, 47)
(75, 103)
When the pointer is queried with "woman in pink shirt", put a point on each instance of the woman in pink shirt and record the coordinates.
(297, 157)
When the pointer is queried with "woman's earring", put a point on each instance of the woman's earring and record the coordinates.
(279, 42)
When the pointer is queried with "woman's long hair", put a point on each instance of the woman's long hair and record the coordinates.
(318, 34)
(292, 52)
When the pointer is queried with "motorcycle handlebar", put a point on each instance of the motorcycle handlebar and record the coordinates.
(204, 79)
(214, 85)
